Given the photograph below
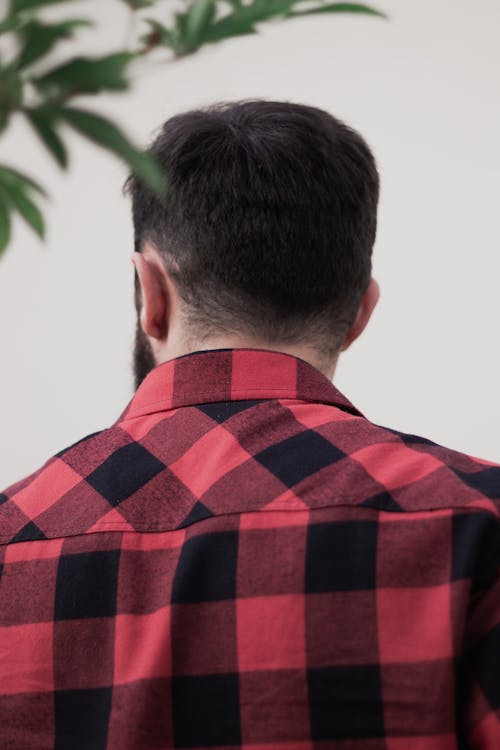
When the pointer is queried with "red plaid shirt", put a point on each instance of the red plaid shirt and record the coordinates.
(244, 561)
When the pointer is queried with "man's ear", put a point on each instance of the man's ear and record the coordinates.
(365, 309)
(154, 303)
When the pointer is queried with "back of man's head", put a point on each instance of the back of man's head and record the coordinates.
(269, 221)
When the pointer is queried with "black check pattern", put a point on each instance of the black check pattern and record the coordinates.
(244, 561)
(125, 472)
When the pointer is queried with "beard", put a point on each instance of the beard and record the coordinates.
(144, 359)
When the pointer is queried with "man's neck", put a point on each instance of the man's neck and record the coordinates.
(308, 354)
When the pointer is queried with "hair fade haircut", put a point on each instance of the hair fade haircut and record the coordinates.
(268, 224)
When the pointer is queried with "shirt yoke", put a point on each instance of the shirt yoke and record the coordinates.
(167, 470)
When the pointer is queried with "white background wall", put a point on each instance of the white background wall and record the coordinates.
(422, 88)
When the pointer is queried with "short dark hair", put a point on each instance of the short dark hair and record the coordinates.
(269, 221)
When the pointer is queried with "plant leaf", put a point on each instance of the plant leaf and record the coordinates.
(4, 119)
(8, 175)
(11, 89)
(231, 25)
(180, 24)
(137, 4)
(12, 23)
(38, 39)
(42, 120)
(4, 224)
(103, 132)
(25, 206)
(11, 94)
(244, 17)
(86, 75)
(340, 8)
(198, 20)
(166, 37)
(261, 10)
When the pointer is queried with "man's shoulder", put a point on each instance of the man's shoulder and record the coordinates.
(375, 466)
(425, 475)
(38, 492)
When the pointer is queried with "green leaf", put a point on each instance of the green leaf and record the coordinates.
(43, 121)
(11, 94)
(137, 4)
(228, 26)
(165, 37)
(340, 8)
(11, 89)
(244, 17)
(10, 176)
(180, 29)
(109, 136)
(261, 10)
(4, 119)
(198, 20)
(25, 206)
(18, 5)
(4, 225)
(38, 39)
(85, 75)
(11, 23)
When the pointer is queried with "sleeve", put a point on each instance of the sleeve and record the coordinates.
(479, 705)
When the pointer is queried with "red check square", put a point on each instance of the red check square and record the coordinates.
(26, 656)
(311, 417)
(212, 456)
(43, 549)
(142, 647)
(271, 632)
(414, 624)
(57, 479)
(246, 375)
(395, 465)
(138, 428)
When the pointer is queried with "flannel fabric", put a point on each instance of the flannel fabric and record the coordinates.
(243, 560)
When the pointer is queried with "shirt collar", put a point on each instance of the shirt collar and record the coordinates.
(234, 374)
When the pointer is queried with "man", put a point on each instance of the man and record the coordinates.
(243, 559)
